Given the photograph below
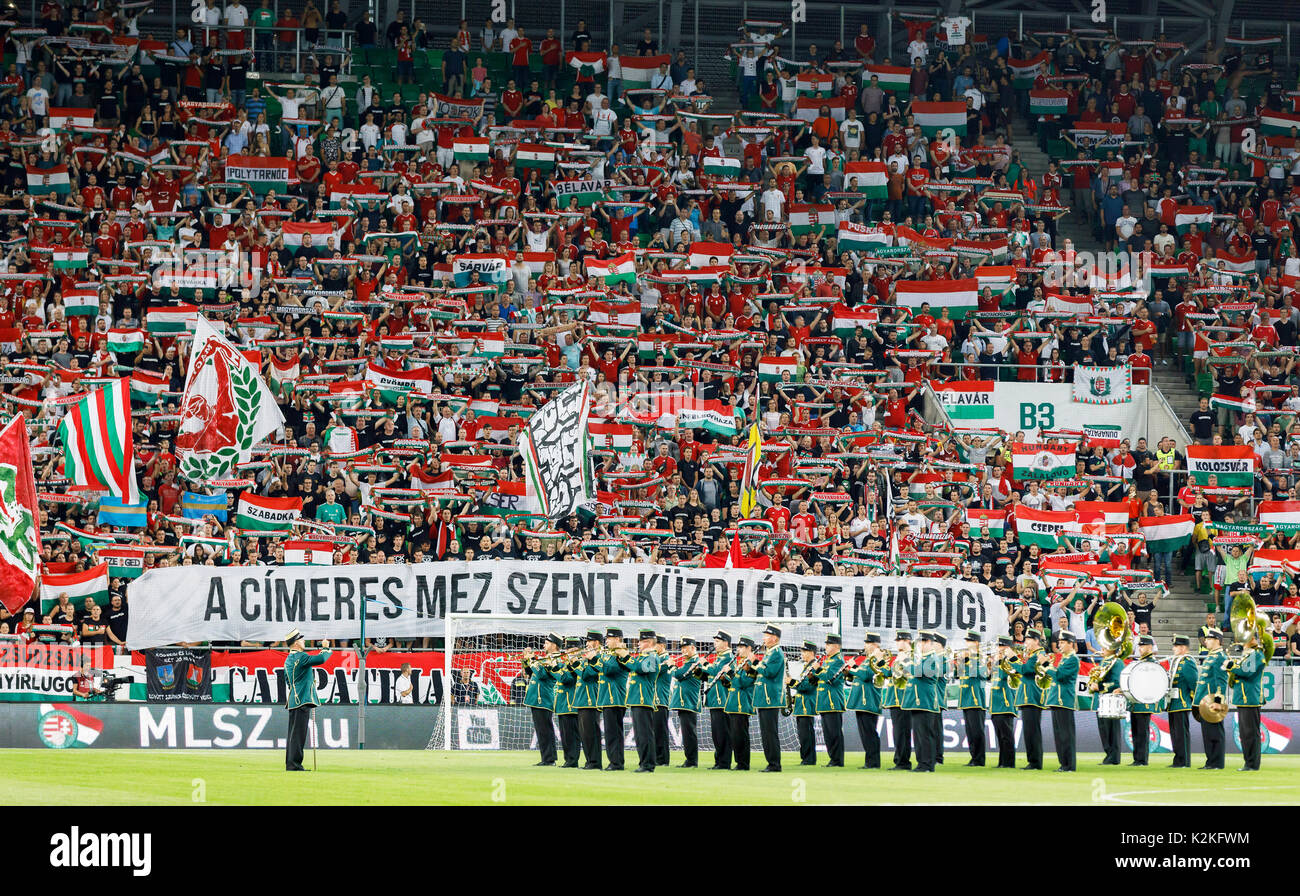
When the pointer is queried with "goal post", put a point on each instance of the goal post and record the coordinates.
(482, 703)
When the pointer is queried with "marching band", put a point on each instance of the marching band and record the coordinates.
(586, 684)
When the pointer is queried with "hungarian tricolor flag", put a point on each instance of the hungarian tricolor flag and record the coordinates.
(1041, 527)
(1193, 217)
(934, 118)
(999, 278)
(123, 562)
(261, 173)
(1049, 102)
(474, 149)
(981, 518)
(308, 553)
(97, 450)
(1272, 122)
(871, 179)
(814, 84)
(256, 512)
(896, 79)
(960, 297)
(619, 269)
(707, 254)
(53, 180)
(1243, 264)
(20, 544)
(534, 155)
(321, 232)
(146, 387)
(1166, 534)
(392, 383)
(1232, 466)
(1104, 434)
(1038, 461)
(1024, 71)
(586, 65)
(612, 436)
(283, 374)
(126, 340)
(771, 369)
(721, 166)
(170, 320)
(69, 260)
(78, 586)
(1113, 513)
(1281, 515)
(639, 70)
(71, 119)
(846, 320)
(81, 302)
(860, 237)
(811, 218)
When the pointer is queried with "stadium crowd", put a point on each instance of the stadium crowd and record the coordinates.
(473, 224)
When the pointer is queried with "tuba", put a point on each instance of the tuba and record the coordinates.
(1247, 622)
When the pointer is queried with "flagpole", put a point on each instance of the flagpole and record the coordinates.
(361, 684)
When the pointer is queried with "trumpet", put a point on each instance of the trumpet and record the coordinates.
(1013, 678)
(880, 666)
(1041, 677)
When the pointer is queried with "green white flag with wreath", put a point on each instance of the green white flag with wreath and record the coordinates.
(227, 408)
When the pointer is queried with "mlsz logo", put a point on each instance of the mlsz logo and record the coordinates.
(77, 850)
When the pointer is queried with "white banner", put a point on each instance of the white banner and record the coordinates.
(1030, 407)
(262, 603)
(1103, 385)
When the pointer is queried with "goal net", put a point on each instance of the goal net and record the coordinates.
(483, 686)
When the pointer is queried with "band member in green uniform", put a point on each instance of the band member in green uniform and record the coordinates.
(663, 693)
(539, 696)
(1029, 700)
(586, 696)
(830, 700)
(769, 696)
(1002, 702)
(611, 695)
(738, 679)
(1212, 682)
(300, 685)
(864, 697)
(715, 699)
(1139, 714)
(900, 719)
(918, 699)
(642, 678)
(566, 681)
(974, 671)
(686, 679)
(1247, 678)
(805, 703)
(942, 665)
(1063, 698)
(1182, 676)
(1104, 679)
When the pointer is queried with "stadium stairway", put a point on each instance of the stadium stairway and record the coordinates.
(1183, 610)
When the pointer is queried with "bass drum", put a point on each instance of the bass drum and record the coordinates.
(1146, 681)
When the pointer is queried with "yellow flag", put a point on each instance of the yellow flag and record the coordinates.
(749, 482)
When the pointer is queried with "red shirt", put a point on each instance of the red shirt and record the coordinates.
(519, 50)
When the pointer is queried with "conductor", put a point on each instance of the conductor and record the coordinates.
(300, 683)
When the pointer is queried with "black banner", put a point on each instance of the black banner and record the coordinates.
(178, 675)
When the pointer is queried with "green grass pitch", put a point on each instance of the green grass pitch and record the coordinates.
(256, 777)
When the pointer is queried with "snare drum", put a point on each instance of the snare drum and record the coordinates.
(1112, 706)
(1146, 681)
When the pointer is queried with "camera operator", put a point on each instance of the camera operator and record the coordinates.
(85, 686)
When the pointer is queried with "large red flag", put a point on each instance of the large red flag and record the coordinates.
(734, 558)
(20, 536)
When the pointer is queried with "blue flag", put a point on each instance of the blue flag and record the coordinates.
(113, 512)
(195, 506)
